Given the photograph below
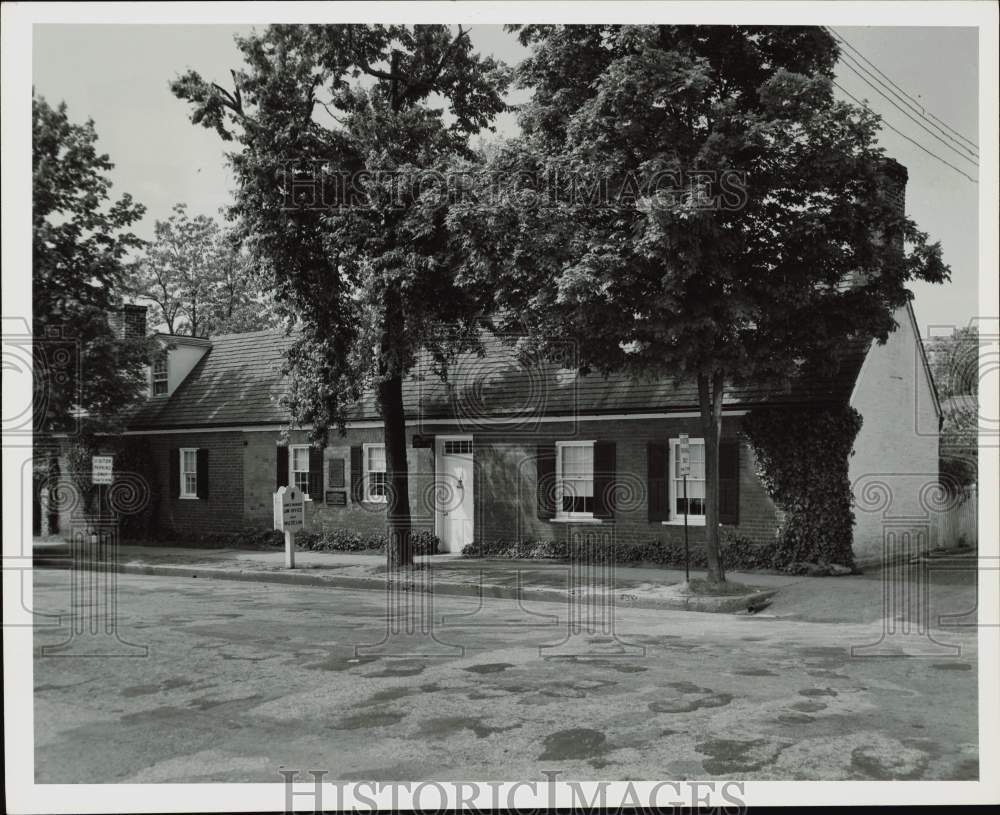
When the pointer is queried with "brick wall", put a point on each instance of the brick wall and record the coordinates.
(243, 478)
(506, 483)
(223, 509)
(260, 471)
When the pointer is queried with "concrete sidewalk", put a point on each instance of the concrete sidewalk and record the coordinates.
(444, 574)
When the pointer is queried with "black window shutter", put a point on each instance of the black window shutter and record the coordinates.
(281, 474)
(657, 462)
(316, 473)
(604, 479)
(357, 474)
(545, 486)
(729, 482)
(175, 471)
(201, 489)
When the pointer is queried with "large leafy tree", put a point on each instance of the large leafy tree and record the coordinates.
(345, 134)
(85, 375)
(692, 202)
(198, 280)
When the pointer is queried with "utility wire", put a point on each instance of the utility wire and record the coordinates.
(912, 141)
(915, 119)
(914, 104)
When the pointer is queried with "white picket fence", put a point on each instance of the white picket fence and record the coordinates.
(960, 520)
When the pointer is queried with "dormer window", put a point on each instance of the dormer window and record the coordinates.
(160, 375)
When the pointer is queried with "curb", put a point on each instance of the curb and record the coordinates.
(722, 604)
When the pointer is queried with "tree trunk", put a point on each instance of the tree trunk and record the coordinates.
(710, 389)
(399, 553)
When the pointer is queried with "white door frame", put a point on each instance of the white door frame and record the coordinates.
(438, 462)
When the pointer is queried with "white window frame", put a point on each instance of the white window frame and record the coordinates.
(184, 493)
(677, 519)
(560, 514)
(375, 499)
(291, 467)
(155, 378)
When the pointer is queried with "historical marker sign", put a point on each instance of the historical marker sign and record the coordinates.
(289, 517)
(289, 509)
(102, 469)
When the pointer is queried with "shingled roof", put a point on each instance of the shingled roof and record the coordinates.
(239, 383)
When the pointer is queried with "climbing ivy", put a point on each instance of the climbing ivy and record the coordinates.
(802, 460)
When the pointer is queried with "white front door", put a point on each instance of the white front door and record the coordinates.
(453, 491)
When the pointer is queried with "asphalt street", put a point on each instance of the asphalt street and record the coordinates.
(188, 680)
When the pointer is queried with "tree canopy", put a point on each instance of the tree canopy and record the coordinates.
(198, 280)
(84, 375)
(346, 134)
(692, 202)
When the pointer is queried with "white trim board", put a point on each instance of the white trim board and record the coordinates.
(372, 425)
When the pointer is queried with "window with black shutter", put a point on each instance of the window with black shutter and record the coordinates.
(729, 482)
(657, 460)
(316, 473)
(545, 483)
(604, 479)
(201, 489)
(281, 471)
(357, 474)
(175, 471)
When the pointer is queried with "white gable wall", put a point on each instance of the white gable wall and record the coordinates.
(894, 468)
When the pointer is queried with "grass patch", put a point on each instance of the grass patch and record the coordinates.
(700, 585)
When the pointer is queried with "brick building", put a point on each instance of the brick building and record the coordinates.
(507, 449)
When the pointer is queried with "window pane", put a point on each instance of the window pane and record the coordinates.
(696, 506)
(578, 461)
(190, 461)
(302, 481)
(190, 483)
(376, 459)
(697, 461)
(577, 503)
(376, 484)
(300, 459)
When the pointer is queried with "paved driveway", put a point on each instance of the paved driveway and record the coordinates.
(243, 679)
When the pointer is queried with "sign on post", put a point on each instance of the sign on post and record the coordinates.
(289, 517)
(101, 469)
(684, 470)
(684, 455)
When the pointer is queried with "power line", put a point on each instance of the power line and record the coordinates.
(912, 141)
(916, 105)
(913, 118)
(853, 64)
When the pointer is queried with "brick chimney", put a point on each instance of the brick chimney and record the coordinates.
(128, 322)
(894, 178)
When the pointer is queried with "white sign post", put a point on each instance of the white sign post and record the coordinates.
(289, 517)
(684, 470)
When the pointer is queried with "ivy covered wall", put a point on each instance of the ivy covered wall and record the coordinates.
(802, 459)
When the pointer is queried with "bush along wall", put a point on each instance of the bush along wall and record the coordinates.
(737, 552)
(802, 461)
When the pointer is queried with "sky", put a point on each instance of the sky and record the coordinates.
(118, 76)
